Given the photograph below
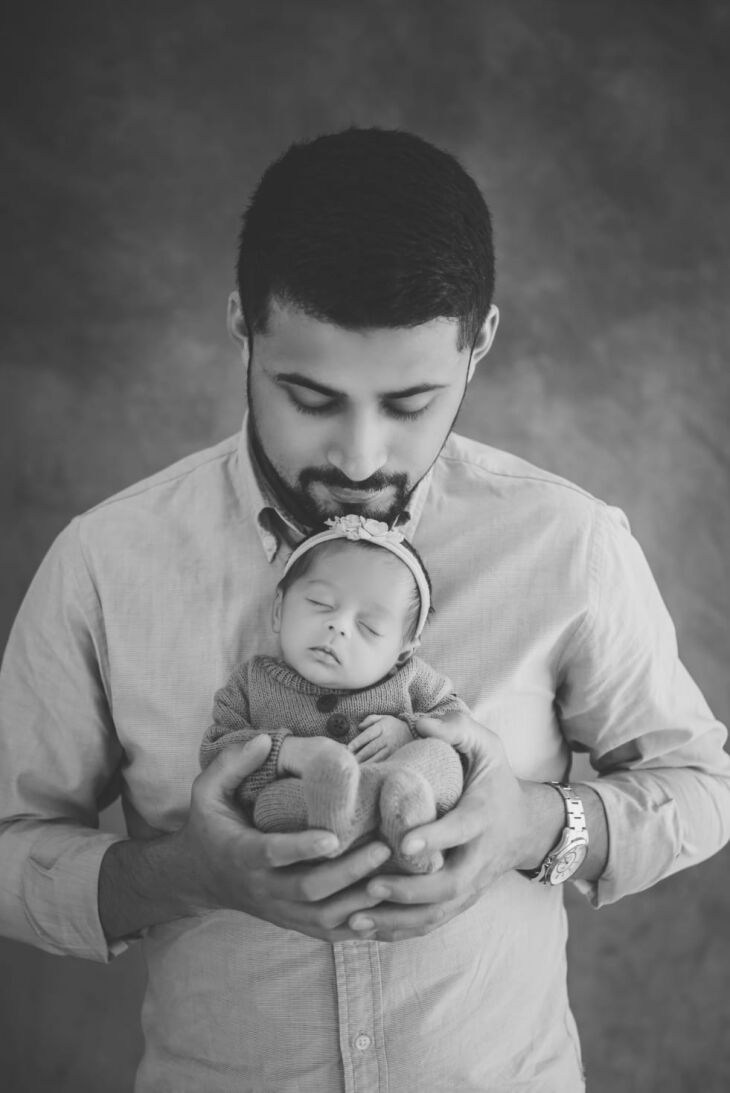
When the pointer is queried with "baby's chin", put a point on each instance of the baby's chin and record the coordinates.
(326, 672)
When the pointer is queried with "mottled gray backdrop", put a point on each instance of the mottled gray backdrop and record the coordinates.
(132, 133)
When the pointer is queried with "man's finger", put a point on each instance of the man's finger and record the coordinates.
(236, 762)
(451, 731)
(463, 823)
(278, 849)
(321, 881)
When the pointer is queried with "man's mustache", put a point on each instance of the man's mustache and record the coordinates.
(330, 476)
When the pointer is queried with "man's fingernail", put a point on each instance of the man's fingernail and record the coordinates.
(412, 846)
(361, 924)
(327, 845)
(379, 891)
(379, 854)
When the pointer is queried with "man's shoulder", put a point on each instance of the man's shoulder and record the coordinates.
(178, 504)
(469, 469)
(189, 471)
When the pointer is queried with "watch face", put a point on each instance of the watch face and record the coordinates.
(565, 865)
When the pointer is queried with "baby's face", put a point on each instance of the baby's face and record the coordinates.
(342, 624)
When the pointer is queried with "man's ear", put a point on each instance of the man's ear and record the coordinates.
(276, 611)
(237, 327)
(484, 340)
(407, 652)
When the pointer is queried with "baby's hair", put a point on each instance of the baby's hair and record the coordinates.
(304, 563)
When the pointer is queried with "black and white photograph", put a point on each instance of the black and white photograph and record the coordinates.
(365, 508)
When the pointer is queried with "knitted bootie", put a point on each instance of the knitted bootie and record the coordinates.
(341, 796)
(280, 806)
(407, 801)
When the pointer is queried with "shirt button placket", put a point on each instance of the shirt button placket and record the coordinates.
(359, 999)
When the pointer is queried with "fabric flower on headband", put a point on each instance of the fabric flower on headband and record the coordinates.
(363, 527)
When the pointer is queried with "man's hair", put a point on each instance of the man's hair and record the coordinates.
(304, 563)
(368, 228)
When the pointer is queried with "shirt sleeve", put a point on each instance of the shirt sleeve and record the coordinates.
(58, 756)
(626, 699)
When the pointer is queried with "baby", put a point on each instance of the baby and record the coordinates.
(341, 702)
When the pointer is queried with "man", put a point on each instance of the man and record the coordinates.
(364, 306)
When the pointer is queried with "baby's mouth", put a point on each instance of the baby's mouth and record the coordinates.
(327, 651)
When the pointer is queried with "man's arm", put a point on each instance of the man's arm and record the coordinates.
(70, 889)
(500, 824)
(662, 798)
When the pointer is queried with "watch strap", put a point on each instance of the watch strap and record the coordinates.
(574, 831)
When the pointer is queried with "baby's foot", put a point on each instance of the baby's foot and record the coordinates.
(407, 801)
(330, 790)
(280, 806)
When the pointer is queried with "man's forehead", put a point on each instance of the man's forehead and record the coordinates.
(297, 342)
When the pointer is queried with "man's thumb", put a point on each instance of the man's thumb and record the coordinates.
(236, 762)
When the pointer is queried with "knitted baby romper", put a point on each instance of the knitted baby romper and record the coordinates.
(420, 781)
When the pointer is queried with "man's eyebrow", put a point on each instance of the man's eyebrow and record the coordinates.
(299, 380)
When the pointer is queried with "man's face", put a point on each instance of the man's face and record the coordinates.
(349, 422)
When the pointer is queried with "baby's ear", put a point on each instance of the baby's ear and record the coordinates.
(276, 611)
(407, 652)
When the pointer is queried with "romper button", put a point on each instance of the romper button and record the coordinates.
(337, 725)
(326, 703)
(362, 1043)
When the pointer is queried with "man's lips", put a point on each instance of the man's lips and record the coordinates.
(351, 496)
(325, 649)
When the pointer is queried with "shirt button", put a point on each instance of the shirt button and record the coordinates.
(363, 1042)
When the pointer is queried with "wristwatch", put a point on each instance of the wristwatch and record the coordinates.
(571, 848)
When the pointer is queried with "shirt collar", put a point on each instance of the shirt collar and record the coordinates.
(277, 529)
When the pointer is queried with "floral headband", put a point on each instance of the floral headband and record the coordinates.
(366, 530)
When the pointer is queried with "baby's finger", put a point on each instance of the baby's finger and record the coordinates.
(371, 751)
(365, 737)
(369, 720)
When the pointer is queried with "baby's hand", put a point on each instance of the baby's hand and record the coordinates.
(379, 737)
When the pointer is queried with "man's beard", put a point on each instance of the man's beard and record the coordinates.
(301, 502)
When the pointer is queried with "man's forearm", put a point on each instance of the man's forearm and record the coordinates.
(547, 820)
(143, 883)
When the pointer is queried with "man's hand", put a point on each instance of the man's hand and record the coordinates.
(270, 876)
(500, 824)
(380, 735)
(219, 860)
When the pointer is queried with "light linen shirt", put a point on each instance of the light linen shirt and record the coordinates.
(548, 622)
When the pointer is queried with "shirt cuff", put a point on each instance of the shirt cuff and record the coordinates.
(644, 839)
(60, 898)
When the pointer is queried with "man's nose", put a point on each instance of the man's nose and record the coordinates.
(359, 451)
